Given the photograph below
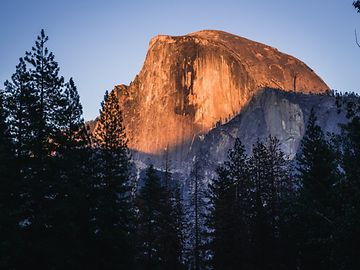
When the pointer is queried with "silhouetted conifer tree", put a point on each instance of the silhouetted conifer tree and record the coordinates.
(73, 185)
(178, 217)
(272, 187)
(112, 212)
(19, 101)
(318, 175)
(35, 103)
(249, 208)
(8, 192)
(172, 221)
(196, 234)
(348, 189)
(160, 222)
(230, 211)
(150, 202)
(47, 86)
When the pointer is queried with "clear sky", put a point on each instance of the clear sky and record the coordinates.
(103, 43)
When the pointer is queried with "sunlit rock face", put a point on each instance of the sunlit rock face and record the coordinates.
(189, 84)
(272, 112)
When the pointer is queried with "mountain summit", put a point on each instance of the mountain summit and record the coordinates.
(189, 84)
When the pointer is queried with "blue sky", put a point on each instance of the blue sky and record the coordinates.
(104, 43)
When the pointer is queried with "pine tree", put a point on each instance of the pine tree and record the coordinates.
(196, 235)
(112, 211)
(270, 193)
(47, 85)
(318, 175)
(174, 226)
(19, 101)
(261, 230)
(172, 221)
(72, 120)
(160, 223)
(283, 197)
(8, 187)
(348, 191)
(73, 185)
(230, 211)
(237, 168)
(34, 100)
(178, 218)
(150, 200)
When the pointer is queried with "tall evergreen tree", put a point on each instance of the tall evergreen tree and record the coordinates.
(74, 181)
(19, 101)
(249, 207)
(348, 190)
(196, 212)
(150, 202)
(46, 84)
(272, 187)
(230, 211)
(318, 175)
(178, 220)
(113, 210)
(160, 222)
(35, 102)
(8, 188)
(171, 221)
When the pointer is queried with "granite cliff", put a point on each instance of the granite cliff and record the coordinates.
(190, 84)
(273, 112)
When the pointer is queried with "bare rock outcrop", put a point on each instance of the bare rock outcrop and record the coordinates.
(189, 84)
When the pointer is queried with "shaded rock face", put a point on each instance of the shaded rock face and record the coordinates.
(189, 84)
(269, 112)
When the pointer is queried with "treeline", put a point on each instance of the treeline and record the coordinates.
(69, 200)
(63, 203)
(270, 213)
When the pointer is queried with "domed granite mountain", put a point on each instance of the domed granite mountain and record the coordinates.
(189, 84)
